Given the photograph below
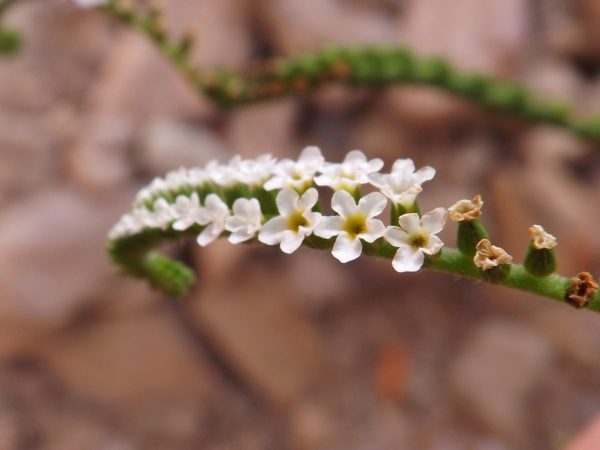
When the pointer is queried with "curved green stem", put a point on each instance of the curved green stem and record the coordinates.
(376, 67)
(135, 256)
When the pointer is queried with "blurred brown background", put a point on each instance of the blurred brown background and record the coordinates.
(290, 352)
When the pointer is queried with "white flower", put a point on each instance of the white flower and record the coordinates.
(136, 219)
(254, 172)
(130, 223)
(197, 176)
(415, 237)
(157, 187)
(143, 196)
(176, 179)
(403, 184)
(246, 220)
(90, 3)
(161, 216)
(296, 174)
(295, 222)
(349, 174)
(214, 214)
(224, 175)
(187, 211)
(354, 222)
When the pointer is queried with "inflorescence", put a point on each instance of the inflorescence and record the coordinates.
(277, 203)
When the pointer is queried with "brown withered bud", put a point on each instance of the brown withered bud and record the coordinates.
(581, 291)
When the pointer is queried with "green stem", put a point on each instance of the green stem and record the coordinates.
(135, 256)
(375, 67)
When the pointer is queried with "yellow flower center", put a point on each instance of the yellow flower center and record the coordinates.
(418, 241)
(355, 225)
(296, 220)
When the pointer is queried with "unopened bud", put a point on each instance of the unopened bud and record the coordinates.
(540, 260)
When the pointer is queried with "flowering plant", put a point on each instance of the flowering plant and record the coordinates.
(277, 203)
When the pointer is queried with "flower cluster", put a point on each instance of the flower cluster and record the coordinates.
(233, 199)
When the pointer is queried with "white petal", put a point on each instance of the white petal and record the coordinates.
(372, 205)
(375, 229)
(271, 232)
(308, 200)
(355, 158)
(434, 221)
(243, 207)
(209, 234)
(235, 223)
(396, 236)
(273, 183)
(410, 222)
(407, 260)
(343, 203)
(374, 165)
(329, 226)
(330, 178)
(161, 204)
(403, 166)
(291, 241)
(183, 224)
(346, 249)
(215, 205)
(424, 174)
(311, 155)
(313, 219)
(287, 200)
(238, 237)
(433, 246)
(379, 179)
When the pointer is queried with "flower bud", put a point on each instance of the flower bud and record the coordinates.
(494, 262)
(470, 229)
(469, 234)
(497, 274)
(540, 260)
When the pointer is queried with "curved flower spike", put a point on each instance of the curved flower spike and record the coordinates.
(349, 174)
(214, 214)
(246, 220)
(403, 184)
(296, 174)
(416, 237)
(354, 222)
(295, 222)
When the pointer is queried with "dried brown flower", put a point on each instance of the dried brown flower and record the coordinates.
(489, 255)
(581, 291)
(466, 210)
(541, 239)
